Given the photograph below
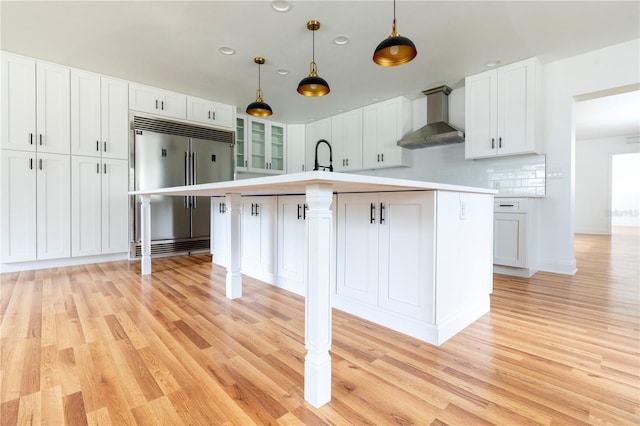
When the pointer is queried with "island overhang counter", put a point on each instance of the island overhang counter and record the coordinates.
(456, 224)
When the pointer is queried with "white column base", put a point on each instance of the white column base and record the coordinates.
(234, 238)
(317, 379)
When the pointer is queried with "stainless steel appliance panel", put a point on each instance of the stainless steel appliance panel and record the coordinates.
(211, 161)
(160, 161)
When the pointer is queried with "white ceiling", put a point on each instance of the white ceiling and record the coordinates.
(615, 115)
(174, 45)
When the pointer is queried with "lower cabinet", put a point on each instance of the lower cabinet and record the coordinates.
(34, 206)
(385, 251)
(513, 238)
(259, 237)
(219, 231)
(291, 243)
(99, 206)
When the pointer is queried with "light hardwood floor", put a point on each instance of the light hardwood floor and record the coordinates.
(98, 344)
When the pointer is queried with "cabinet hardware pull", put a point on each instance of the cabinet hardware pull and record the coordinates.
(105, 146)
(299, 215)
(257, 209)
(303, 167)
(500, 142)
(97, 145)
(213, 115)
(209, 115)
(220, 208)
(156, 104)
(347, 162)
(40, 164)
(245, 163)
(30, 163)
(253, 212)
(162, 105)
(493, 143)
(506, 205)
(30, 138)
(381, 213)
(378, 158)
(304, 212)
(382, 158)
(98, 168)
(104, 166)
(372, 214)
(40, 139)
(224, 207)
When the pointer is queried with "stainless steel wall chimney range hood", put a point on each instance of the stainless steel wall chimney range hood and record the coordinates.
(437, 131)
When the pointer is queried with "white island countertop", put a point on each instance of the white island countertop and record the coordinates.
(295, 183)
(454, 221)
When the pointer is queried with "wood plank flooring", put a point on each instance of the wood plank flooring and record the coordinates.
(98, 344)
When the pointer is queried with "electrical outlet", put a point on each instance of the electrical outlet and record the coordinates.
(554, 174)
(463, 210)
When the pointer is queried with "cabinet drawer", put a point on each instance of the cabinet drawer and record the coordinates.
(511, 205)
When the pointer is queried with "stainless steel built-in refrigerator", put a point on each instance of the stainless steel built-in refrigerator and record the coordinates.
(174, 154)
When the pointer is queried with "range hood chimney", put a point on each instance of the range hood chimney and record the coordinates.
(437, 131)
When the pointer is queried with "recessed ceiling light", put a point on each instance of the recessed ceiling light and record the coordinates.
(341, 110)
(280, 5)
(492, 64)
(282, 71)
(226, 50)
(376, 99)
(341, 40)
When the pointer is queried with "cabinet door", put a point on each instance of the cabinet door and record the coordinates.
(18, 96)
(53, 108)
(357, 247)
(209, 112)
(346, 134)
(259, 234)
(509, 239)
(291, 243)
(17, 206)
(115, 118)
(315, 131)
(295, 148)
(276, 148)
(516, 108)
(53, 206)
(219, 231)
(173, 104)
(383, 125)
(85, 114)
(406, 267)
(258, 147)
(157, 101)
(480, 115)
(86, 206)
(370, 134)
(115, 208)
(241, 146)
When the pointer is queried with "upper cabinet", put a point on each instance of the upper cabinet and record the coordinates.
(296, 148)
(35, 100)
(502, 113)
(99, 116)
(346, 139)
(384, 124)
(209, 112)
(157, 101)
(315, 131)
(266, 146)
(242, 161)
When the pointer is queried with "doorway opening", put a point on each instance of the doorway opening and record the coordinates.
(625, 193)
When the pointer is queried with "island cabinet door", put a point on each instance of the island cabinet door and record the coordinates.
(357, 248)
(291, 242)
(259, 236)
(406, 254)
(219, 231)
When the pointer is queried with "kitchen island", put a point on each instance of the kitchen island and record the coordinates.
(433, 250)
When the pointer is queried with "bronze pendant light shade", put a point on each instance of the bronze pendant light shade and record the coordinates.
(259, 108)
(395, 49)
(313, 85)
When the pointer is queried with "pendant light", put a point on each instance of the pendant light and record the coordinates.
(313, 85)
(259, 108)
(395, 49)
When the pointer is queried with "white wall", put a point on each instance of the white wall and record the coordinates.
(562, 81)
(593, 178)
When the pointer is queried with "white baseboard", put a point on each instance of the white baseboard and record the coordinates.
(564, 268)
(58, 263)
(516, 272)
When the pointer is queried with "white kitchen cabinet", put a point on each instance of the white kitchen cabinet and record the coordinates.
(346, 140)
(35, 105)
(241, 147)
(513, 236)
(99, 116)
(385, 244)
(99, 206)
(219, 231)
(209, 112)
(385, 123)
(157, 101)
(35, 206)
(315, 131)
(266, 146)
(292, 213)
(259, 246)
(296, 155)
(502, 113)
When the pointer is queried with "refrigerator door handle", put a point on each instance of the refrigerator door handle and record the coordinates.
(186, 169)
(194, 173)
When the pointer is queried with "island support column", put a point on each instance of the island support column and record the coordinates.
(234, 277)
(145, 234)
(317, 362)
